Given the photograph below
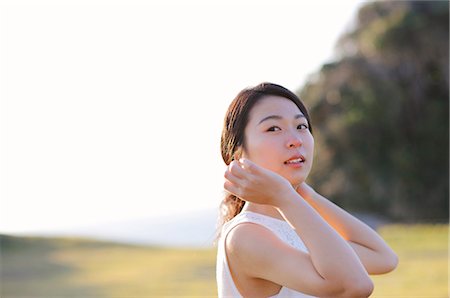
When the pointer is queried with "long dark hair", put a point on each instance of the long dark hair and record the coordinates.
(232, 139)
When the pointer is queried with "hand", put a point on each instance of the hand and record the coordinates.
(253, 183)
(305, 191)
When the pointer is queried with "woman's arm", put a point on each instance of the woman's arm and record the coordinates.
(376, 256)
(331, 268)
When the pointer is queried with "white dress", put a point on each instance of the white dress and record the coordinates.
(281, 228)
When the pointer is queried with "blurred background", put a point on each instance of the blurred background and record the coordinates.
(111, 115)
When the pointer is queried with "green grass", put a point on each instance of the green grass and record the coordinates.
(423, 262)
(45, 267)
(60, 267)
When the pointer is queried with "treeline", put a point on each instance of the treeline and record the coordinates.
(380, 113)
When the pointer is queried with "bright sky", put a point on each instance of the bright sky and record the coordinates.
(112, 110)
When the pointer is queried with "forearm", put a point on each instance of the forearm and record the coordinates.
(331, 255)
(348, 226)
(373, 251)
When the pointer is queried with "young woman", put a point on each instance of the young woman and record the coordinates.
(279, 237)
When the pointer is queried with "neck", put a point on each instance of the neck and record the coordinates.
(262, 209)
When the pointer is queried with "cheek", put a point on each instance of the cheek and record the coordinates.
(309, 147)
(311, 142)
(263, 151)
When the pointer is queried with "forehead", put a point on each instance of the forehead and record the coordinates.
(274, 105)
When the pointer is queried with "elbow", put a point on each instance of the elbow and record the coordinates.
(392, 262)
(361, 288)
(356, 288)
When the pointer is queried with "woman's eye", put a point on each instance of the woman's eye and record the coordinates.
(274, 128)
(302, 126)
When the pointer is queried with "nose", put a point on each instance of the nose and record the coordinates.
(294, 141)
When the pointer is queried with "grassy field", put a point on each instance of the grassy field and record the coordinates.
(423, 262)
(45, 267)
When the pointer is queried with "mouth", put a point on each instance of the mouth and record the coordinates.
(295, 160)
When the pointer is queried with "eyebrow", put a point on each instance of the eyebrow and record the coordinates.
(278, 117)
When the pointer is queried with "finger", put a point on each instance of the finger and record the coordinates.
(249, 165)
(231, 177)
(231, 188)
(234, 172)
(236, 169)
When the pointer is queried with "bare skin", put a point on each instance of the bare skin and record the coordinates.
(342, 250)
(376, 256)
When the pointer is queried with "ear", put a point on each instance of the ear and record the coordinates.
(238, 153)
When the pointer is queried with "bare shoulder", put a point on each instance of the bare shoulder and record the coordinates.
(250, 244)
(256, 253)
(249, 249)
(247, 236)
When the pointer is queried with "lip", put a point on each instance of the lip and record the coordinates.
(295, 164)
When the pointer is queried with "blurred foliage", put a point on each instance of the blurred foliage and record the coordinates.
(380, 113)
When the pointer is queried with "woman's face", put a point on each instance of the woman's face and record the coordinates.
(277, 138)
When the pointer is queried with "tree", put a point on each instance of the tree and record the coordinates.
(380, 113)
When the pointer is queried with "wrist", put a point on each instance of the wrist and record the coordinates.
(287, 199)
(306, 191)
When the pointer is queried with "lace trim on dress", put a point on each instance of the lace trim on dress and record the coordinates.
(279, 227)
